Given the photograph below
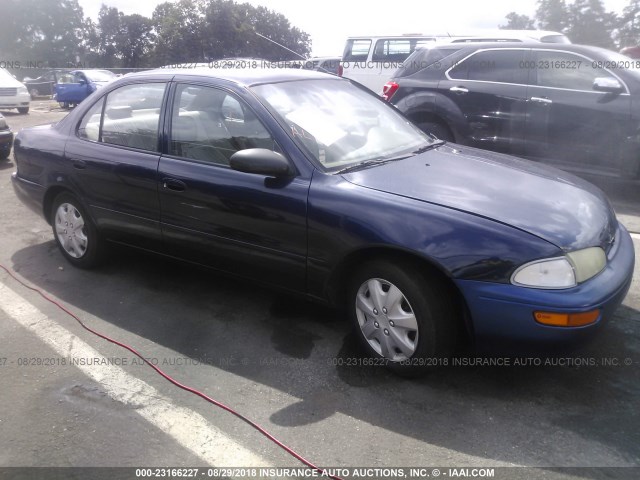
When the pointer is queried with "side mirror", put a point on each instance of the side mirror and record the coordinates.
(260, 161)
(607, 84)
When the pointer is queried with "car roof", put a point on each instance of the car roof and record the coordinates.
(570, 47)
(241, 76)
(473, 33)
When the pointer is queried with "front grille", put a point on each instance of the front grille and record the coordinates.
(8, 92)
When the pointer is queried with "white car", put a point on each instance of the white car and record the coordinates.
(13, 94)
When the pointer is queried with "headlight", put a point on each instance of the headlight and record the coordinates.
(588, 262)
(561, 272)
(22, 90)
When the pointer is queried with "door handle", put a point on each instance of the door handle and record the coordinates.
(546, 101)
(459, 90)
(173, 184)
(79, 164)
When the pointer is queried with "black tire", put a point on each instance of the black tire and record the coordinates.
(425, 297)
(438, 130)
(89, 254)
(23, 110)
(4, 155)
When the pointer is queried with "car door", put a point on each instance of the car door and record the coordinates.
(570, 123)
(74, 91)
(241, 223)
(489, 88)
(113, 162)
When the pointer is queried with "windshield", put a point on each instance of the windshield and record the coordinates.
(99, 75)
(339, 124)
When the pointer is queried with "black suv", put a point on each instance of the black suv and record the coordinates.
(575, 106)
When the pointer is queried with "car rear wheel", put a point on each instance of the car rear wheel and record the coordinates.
(403, 315)
(75, 233)
(23, 110)
(438, 130)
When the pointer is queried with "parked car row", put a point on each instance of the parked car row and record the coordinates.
(311, 183)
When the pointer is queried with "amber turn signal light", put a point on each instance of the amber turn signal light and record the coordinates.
(567, 319)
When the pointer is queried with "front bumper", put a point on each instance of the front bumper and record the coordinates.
(15, 101)
(503, 313)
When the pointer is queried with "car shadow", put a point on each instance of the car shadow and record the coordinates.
(309, 352)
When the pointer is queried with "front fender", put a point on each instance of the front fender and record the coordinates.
(344, 218)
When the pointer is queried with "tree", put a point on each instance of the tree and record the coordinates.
(107, 35)
(591, 24)
(518, 22)
(552, 15)
(135, 40)
(42, 31)
(629, 25)
(179, 29)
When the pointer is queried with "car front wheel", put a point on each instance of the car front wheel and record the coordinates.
(23, 110)
(403, 315)
(75, 233)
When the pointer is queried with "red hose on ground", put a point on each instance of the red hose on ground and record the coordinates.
(287, 449)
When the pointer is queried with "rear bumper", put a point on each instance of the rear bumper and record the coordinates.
(31, 194)
(502, 313)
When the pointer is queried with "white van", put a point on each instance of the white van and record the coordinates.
(372, 60)
(13, 94)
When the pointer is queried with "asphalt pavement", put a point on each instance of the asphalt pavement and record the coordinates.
(72, 399)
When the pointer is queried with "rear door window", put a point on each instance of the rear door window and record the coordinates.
(501, 66)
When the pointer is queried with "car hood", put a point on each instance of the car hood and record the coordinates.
(554, 205)
(9, 82)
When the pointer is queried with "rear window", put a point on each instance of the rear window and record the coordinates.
(356, 51)
(396, 49)
(424, 58)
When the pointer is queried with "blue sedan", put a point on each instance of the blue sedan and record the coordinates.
(311, 184)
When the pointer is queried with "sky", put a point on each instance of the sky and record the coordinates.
(330, 22)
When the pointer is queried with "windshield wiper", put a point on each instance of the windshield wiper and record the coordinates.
(431, 146)
(372, 163)
(382, 160)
